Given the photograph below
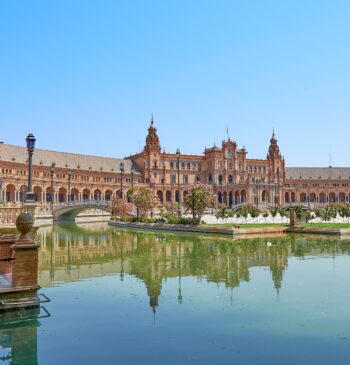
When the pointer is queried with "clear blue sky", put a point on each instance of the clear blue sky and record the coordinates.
(85, 76)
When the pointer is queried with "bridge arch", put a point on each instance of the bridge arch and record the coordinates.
(67, 211)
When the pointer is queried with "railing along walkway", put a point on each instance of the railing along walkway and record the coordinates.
(81, 203)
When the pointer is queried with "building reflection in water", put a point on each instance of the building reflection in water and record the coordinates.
(71, 252)
(75, 252)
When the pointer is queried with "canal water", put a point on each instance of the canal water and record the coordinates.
(127, 297)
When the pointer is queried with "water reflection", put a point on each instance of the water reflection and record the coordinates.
(18, 337)
(72, 252)
(98, 277)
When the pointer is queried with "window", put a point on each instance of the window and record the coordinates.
(173, 179)
(185, 179)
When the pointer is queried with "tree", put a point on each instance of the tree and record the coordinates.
(243, 212)
(198, 200)
(329, 213)
(319, 213)
(344, 211)
(299, 212)
(274, 212)
(266, 214)
(254, 212)
(221, 212)
(121, 208)
(143, 199)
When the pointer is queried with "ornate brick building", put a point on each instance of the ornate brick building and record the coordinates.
(236, 179)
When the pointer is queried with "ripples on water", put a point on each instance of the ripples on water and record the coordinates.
(143, 298)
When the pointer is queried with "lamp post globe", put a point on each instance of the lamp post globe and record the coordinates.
(30, 141)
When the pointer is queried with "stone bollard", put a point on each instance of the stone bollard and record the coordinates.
(25, 253)
(293, 218)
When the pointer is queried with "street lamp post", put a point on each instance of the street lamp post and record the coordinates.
(121, 168)
(308, 195)
(52, 172)
(69, 173)
(30, 148)
(1, 183)
(132, 176)
(178, 181)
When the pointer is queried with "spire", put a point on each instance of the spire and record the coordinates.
(274, 150)
(273, 139)
(152, 139)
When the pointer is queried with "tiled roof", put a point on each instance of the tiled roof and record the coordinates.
(317, 172)
(63, 159)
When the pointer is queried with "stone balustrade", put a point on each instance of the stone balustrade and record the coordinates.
(9, 214)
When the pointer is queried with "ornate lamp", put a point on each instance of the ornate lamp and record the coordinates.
(30, 140)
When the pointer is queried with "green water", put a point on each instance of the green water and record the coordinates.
(123, 297)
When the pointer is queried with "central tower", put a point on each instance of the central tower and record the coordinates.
(152, 154)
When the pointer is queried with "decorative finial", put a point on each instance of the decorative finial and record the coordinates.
(24, 224)
(152, 122)
(273, 132)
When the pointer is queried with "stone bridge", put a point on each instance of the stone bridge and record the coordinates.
(69, 210)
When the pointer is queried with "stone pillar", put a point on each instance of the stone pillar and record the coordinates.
(25, 253)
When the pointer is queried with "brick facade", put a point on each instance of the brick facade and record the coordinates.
(236, 179)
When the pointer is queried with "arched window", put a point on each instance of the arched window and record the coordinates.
(220, 179)
(230, 179)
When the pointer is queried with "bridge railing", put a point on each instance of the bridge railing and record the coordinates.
(82, 203)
